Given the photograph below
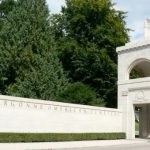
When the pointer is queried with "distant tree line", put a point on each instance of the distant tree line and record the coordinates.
(68, 57)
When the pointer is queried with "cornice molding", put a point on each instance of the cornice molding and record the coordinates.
(134, 45)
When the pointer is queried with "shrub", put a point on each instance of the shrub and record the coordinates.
(56, 137)
(80, 93)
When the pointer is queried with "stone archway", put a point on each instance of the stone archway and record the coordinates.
(132, 92)
(144, 120)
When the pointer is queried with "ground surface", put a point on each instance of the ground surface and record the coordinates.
(145, 146)
(137, 144)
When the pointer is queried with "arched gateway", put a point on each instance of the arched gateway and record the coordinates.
(135, 92)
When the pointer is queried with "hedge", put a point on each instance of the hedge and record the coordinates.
(56, 137)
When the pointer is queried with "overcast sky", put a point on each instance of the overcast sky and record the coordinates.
(138, 11)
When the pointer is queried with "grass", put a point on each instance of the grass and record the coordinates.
(136, 126)
(56, 137)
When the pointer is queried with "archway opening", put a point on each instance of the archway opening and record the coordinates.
(139, 69)
(142, 122)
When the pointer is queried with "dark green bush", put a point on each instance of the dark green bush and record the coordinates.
(80, 93)
(56, 137)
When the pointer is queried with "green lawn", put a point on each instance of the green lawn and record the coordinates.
(56, 137)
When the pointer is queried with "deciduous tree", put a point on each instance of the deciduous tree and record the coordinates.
(88, 32)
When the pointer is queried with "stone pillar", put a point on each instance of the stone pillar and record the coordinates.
(130, 121)
(147, 28)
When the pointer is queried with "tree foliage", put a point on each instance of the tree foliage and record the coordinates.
(26, 42)
(80, 93)
(46, 79)
(84, 36)
(88, 32)
(5, 7)
(135, 73)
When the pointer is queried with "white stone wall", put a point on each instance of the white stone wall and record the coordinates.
(30, 115)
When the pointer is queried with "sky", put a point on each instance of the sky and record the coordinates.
(137, 12)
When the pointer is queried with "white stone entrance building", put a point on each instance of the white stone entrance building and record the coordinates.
(135, 92)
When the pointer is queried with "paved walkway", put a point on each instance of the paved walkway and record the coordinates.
(68, 145)
(142, 146)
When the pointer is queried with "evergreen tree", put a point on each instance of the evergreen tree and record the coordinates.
(45, 80)
(25, 39)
